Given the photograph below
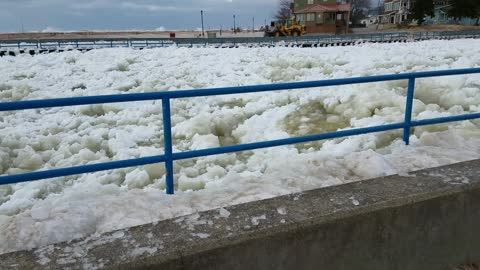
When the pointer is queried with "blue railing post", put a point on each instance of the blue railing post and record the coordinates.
(408, 110)
(167, 138)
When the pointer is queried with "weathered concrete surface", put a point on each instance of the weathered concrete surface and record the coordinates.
(427, 220)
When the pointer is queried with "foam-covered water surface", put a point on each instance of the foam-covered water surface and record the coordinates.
(37, 213)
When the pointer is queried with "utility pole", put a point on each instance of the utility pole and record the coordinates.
(201, 14)
(378, 14)
(22, 28)
(348, 16)
(234, 28)
(348, 23)
(253, 24)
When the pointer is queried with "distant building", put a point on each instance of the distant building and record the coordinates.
(441, 8)
(369, 20)
(322, 16)
(396, 11)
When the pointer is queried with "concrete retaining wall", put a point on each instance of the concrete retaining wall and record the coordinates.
(427, 220)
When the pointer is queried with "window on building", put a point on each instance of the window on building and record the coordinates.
(388, 7)
(310, 17)
(301, 18)
(329, 17)
(319, 17)
(309, 2)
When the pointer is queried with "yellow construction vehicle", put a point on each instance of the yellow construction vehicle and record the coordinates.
(285, 28)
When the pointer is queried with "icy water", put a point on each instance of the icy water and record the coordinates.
(311, 119)
(37, 213)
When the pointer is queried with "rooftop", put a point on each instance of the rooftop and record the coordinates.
(324, 8)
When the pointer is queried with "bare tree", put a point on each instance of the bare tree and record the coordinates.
(360, 4)
(422, 8)
(284, 11)
(359, 8)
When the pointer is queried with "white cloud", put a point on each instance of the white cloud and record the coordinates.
(112, 14)
(50, 29)
(148, 7)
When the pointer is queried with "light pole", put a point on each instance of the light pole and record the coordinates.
(201, 14)
(22, 28)
(234, 28)
(253, 24)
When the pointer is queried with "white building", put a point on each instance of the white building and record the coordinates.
(396, 11)
(369, 20)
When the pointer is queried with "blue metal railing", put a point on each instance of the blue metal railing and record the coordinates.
(169, 156)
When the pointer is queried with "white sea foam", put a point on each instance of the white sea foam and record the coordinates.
(37, 213)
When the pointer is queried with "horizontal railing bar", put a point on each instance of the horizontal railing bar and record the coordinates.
(12, 179)
(62, 102)
(321, 83)
(187, 39)
(296, 140)
(246, 39)
(27, 177)
(445, 119)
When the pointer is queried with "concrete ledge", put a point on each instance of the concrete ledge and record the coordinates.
(427, 220)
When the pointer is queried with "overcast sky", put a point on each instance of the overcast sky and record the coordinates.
(38, 15)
